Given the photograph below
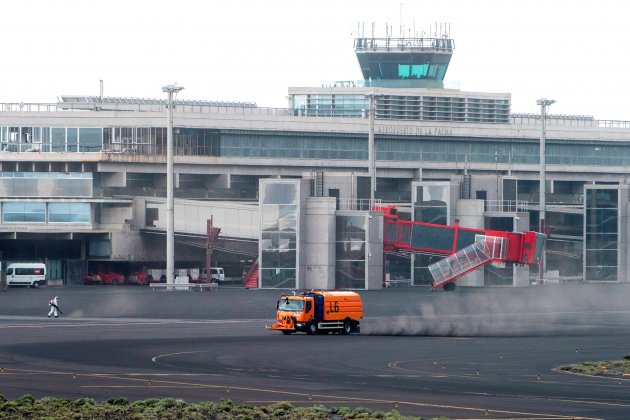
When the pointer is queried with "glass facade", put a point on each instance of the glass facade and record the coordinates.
(46, 184)
(296, 146)
(99, 249)
(279, 226)
(330, 105)
(601, 228)
(13, 212)
(350, 252)
(69, 212)
(430, 205)
(54, 212)
(406, 107)
(211, 142)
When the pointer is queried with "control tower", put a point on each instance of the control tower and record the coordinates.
(415, 62)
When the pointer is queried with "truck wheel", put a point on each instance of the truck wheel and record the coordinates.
(312, 327)
(35, 285)
(347, 327)
(449, 287)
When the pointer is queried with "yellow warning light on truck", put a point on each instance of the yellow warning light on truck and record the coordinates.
(319, 312)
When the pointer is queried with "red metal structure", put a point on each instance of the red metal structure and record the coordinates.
(466, 249)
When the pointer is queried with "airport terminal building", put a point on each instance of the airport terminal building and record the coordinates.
(83, 181)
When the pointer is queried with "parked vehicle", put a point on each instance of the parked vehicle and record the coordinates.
(140, 277)
(92, 279)
(217, 275)
(112, 278)
(319, 312)
(26, 274)
(104, 278)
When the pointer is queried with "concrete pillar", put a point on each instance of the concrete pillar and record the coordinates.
(374, 258)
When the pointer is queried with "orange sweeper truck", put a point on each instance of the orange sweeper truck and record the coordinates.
(319, 312)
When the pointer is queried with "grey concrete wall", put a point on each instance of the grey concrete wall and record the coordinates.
(488, 183)
(319, 243)
(521, 273)
(139, 213)
(113, 179)
(345, 182)
(624, 226)
(453, 198)
(130, 246)
(114, 217)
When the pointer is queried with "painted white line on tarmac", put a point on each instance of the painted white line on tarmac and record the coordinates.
(45, 323)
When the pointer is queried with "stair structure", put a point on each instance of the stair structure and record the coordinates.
(250, 281)
(484, 250)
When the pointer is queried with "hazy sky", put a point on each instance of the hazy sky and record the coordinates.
(573, 51)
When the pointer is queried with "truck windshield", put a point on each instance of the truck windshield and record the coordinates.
(291, 305)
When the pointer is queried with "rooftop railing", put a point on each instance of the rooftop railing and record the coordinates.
(227, 108)
(568, 120)
(413, 43)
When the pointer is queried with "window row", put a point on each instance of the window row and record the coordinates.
(36, 212)
(193, 141)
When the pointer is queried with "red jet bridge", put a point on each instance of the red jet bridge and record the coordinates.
(466, 249)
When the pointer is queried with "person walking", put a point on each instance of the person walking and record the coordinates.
(54, 307)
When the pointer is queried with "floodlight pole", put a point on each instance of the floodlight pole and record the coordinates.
(170, 193)
(544, 105)
(372, 147)
(371, 157)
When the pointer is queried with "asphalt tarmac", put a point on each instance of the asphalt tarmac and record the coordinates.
(472, 353)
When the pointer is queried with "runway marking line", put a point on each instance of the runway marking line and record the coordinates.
(47, 324)
(304, 395)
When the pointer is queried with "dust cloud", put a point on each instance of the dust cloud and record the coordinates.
(537, 310)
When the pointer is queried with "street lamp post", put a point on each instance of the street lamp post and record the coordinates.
(170, 196)
(372, 146)
(372, 150)
(544, 105)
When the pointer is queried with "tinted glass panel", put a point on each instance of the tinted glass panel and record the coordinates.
(350, 274)
(279, 218)
(90, 139)
(24, 212)
(69, 212)
(279, 194)
(277, 240)
(602, 240)
(350, 228)
(351, 250)
(278, 278)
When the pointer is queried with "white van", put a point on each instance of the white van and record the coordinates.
(216, 275)
(26, 274)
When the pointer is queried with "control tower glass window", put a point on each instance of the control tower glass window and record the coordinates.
(417, 71)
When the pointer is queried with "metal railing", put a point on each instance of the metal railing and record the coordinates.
(507, 206)
(361, 204)
(484, 249)
(187, 107)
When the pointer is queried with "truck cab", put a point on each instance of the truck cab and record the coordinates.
(319, 312)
